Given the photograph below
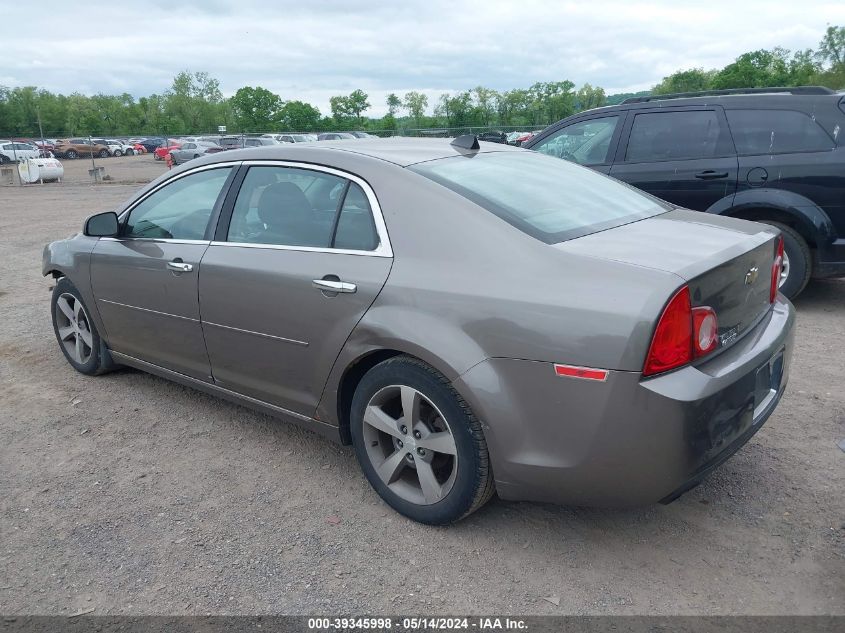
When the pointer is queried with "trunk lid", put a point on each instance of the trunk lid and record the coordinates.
(726, 263)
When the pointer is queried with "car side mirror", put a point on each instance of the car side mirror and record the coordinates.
(102, 225)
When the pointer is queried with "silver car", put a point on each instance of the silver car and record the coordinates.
(193, 149)
(473, 318)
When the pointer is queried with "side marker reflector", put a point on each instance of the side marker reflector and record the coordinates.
(587, 373)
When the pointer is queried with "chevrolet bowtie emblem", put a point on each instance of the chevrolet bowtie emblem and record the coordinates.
(751, 275)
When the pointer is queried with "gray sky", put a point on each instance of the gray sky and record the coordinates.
(311, 50)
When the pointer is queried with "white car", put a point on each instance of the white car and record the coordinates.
(11, 151)
(119, 148)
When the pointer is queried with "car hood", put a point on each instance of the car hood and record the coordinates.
(686, 243)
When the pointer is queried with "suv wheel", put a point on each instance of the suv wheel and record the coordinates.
(118, 153)
(797, 261)
(418, 442)
(103, 153)
(71, 154)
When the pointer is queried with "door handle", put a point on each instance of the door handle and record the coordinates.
(179, 266)
(328, 285)
(709, 174)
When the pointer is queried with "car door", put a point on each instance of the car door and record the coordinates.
(145, 280)
(590, 142)
(300, 254)
(684, 156)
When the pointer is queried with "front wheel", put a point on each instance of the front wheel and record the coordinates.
(103, 153)
(418, 442)
(71, 154)
(130, 152)
(76, 333)
(118, 153)
(797, 261)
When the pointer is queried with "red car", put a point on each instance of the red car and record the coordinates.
(163, 151)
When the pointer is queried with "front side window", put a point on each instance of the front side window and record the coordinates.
(179, 210)
(658, 136)
(548, 199)
(585, 142)
(776, 132)
(288, 206)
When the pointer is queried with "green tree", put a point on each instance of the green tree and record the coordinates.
(832, 48)
(357, 103)
(393, 104)
(765, 68)
(297, 116)
(589, 97)
(415, 103)
(486, 101)
(690, 80)
(255, 109)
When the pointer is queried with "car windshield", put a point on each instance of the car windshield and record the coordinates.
(549, 199)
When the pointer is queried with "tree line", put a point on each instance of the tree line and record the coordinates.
(194, 102)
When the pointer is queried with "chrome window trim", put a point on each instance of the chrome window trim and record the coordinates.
(384, 248)
(154, 240)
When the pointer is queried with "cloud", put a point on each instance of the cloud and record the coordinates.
(313, 50)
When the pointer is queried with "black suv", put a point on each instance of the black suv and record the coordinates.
(775, 155)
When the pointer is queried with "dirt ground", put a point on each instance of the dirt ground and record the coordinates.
(132, 495)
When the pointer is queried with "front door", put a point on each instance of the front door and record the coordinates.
(590, 142)
(145, 280)
(301, 256)
(685, 157)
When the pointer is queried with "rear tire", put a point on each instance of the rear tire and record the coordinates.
(430, 464)
(798, 261)
(71, 154)
(104, 153)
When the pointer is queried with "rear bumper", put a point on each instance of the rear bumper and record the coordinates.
(627, 441)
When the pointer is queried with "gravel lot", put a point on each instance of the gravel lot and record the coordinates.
(132, 495)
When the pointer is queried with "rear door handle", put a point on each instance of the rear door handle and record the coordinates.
(328, 285)
(177, 265)
(709, 174)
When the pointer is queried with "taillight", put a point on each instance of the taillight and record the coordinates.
(683, 333)
(776, 270)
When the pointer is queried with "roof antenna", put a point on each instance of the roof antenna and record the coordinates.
(466, 141)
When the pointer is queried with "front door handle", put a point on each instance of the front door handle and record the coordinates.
(177, 265)
(329, 285)
(709, 174)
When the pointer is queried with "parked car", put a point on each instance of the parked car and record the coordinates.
(334, 136)
(76, 147)
(251, 141)
(231, 142)
(161, 152)
(294, 138)
(121, 148)
(115, 148)
(191, 150)
(775, 155)
(493, 137)
(152, 144)
(11, 151)
(621, 350)
(362, 135)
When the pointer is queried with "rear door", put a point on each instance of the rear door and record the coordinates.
(145, 281)
(300, 254)
(682, 155)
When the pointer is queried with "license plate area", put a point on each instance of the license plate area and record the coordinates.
(767, 384)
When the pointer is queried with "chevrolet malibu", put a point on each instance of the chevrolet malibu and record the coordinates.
(472, 318)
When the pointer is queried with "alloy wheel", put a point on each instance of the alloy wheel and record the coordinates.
(74, 328)
(410, 445)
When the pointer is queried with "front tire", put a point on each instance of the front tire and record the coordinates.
(798, 261)
(76, 333)
(418, 443)
(118, 153)
(71, 154)
(104, 153)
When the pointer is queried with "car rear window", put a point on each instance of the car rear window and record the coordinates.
(547, 198)
(776, 132)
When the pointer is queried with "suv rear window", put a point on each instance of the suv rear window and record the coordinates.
(776, 132)
(547, 198)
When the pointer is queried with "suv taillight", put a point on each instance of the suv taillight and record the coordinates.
(777, 267)
(683, 333)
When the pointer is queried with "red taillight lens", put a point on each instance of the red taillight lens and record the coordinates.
(776, 270)
(705, 328)
(671, 345)
(682, 334)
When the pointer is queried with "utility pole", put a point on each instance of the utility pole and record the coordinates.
(40, 129)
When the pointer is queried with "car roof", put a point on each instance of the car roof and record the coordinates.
(402, 151)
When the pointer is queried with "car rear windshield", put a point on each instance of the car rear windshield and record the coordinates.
(548, 198)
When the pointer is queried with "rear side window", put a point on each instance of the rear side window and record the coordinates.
(776, 132)
(658, 136)
(355, 227)
(544, 197)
